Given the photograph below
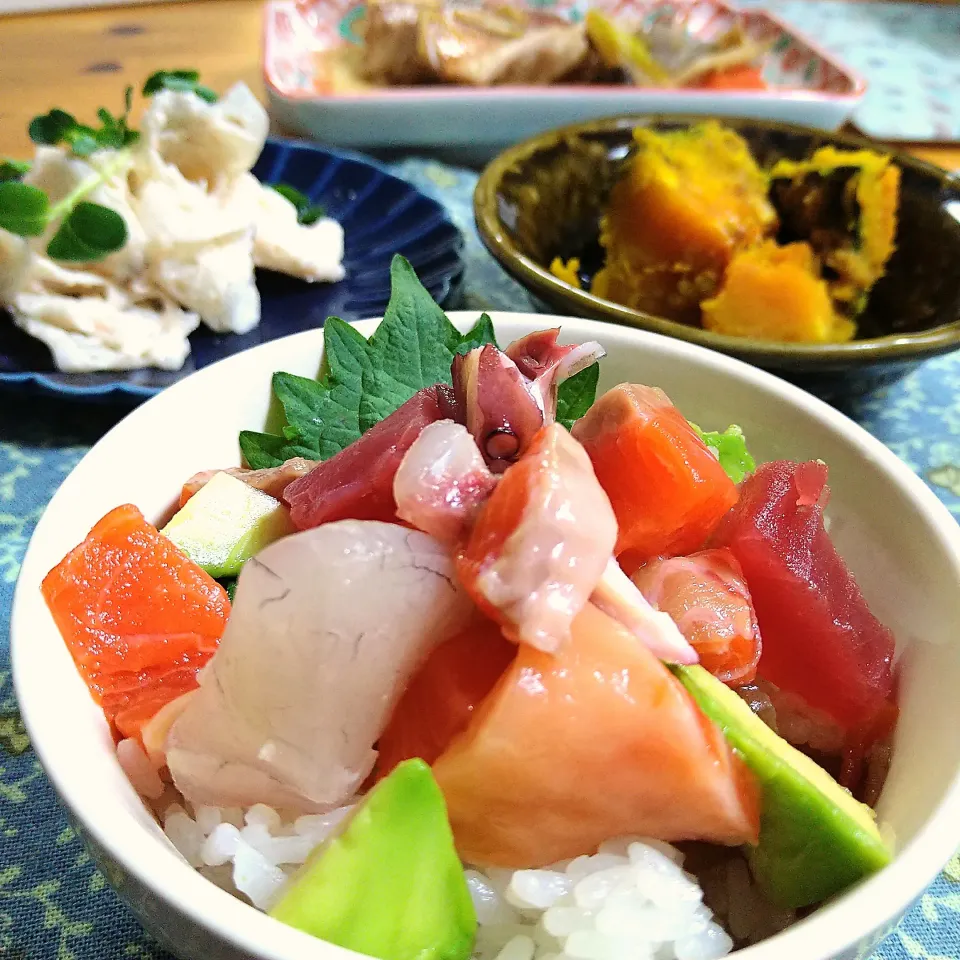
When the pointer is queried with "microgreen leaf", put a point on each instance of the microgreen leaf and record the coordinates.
(363, 381)
(58, 126)
(731, 450)
(23, 209)
(159, 80)
(89, 232)
(13, 169)
(82, 140)
(307, 213)
(576, 395)
(185, 81)
(50, 128)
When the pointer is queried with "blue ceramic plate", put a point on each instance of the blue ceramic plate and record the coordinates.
(381, 215)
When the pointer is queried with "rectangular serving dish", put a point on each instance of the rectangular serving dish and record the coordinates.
(809, 86)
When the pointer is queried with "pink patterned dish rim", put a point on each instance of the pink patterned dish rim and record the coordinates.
(300, 34)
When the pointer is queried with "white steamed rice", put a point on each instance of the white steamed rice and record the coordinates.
(631, 900)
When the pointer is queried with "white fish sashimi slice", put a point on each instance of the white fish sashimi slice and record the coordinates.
(327, 628)
(442, 481)
(618, 597)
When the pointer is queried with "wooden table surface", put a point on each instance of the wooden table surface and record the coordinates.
(82, 59)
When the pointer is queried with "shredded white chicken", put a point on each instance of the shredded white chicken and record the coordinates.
(283, 244)
(326, 630)
(210, 143)
(198, 223)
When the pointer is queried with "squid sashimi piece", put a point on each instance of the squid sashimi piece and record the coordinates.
(707, 597)
(139, 617)
(820, 640)
(667, 489)
(357, 483)
(271, 480)
(328, 627)
(596, 741)
(441, 698)
(541, 542)
(442, 481)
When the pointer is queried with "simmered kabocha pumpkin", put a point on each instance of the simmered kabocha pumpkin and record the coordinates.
(776, 293)
(689, 202)
(843, 203)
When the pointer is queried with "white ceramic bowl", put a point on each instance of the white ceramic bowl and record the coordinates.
(900, 541)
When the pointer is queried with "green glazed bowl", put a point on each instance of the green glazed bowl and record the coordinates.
(544, 198)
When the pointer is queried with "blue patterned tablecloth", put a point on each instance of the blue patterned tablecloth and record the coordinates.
(55, 904)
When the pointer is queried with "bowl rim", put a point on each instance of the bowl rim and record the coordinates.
(801, 357)
(833, 928)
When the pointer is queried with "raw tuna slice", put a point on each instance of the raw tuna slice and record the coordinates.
(139, 618)
(820, 639)
(357, 483)
(666, 487)
(707, 597)
(595, 741)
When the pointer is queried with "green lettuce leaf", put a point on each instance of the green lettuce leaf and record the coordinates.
(732, 452)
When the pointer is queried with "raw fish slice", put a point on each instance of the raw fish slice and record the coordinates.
(598, 740)
(442, 482)
(327, 629)
(618, 597)
(667, 489)
(441, 698)
(541, 542)
(271, 480)
(707, 597)
(357, 483)
(440, 488)
(820, 639)
(139, 618)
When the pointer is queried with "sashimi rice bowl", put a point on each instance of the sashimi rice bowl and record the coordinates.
(508, 638)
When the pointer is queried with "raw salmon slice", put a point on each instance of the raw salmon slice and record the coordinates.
(707, 597)
(441, 698)
(595, 741)
(139, 617)
(666, 487)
